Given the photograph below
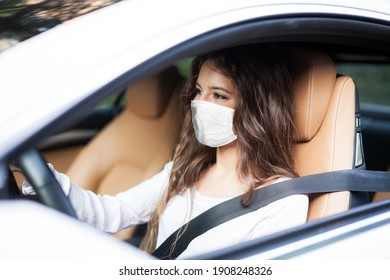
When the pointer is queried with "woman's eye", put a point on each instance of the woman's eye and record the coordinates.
(197, 91)
(218, 96)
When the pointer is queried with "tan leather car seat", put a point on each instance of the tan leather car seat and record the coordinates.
(326, 123)
(136, 144)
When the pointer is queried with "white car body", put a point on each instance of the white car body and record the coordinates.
(44, 77)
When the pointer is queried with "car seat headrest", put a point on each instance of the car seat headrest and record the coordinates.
(150, 97)
(313, 74)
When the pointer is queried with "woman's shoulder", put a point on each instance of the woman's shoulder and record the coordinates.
(294, 196)
(295, 202)
(168, 166)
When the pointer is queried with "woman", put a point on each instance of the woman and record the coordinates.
(238, 135)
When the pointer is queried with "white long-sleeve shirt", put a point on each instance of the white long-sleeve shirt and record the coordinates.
(135, 206)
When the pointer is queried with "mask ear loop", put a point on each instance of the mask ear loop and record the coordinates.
(233, 124)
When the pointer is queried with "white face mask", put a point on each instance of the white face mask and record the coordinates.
(213, 124)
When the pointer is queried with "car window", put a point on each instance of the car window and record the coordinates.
(20, 20)
(372, 81)
(111, 101)
(184, 66)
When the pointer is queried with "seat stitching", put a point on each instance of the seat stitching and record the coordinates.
(309, 100)
(343, 84)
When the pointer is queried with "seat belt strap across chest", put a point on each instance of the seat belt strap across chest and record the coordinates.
(335, 181)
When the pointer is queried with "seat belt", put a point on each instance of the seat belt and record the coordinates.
(344, 180)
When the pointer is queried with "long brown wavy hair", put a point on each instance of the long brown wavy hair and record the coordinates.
(263, 121)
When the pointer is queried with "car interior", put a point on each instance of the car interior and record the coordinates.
(135, 143)
(326, 121)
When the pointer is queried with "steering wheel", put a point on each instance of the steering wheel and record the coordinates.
(42, 179)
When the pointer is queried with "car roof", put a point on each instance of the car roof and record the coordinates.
(43, 77)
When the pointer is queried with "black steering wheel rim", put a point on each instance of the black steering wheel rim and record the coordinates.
(42, 179)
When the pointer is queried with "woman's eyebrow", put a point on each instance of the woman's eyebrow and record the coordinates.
(223, 89)
(215, 87)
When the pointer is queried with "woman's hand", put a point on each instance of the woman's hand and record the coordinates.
(62, 179)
